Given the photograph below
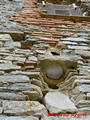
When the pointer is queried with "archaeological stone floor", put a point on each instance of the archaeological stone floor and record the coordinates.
(44, 65)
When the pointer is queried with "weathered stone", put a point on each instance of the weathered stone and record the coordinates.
(5, 38)
(33, 58)
(12, 96)
(14, 58)
(79, 39)
(23, 108)
(13, 79)
(83, 103)
(18, 118)
(83, 53)
(16, 35)
(83, 88)
(79, 47)
(9, 67)
(80, 81)
(32, 91)
(37, 82)
(28, 42)
(54, 72)
(33, 95)
(12, 44)
(30, 74)
(55, 68)
(57, 102)
(22, 51)
(40, 51)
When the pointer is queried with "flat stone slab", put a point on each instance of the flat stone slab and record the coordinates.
(14, 79)
(12, 96)
(12, 58)
(84, 88)
(83, 53)
(79, 39)
(13, 44)
(22, 108)
(9, 67)
(57, 102)
(30, 74)
(18, 118)
(32, 91)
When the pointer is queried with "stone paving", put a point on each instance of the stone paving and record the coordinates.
(31, 49)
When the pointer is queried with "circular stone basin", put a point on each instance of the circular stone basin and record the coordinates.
(54, 72)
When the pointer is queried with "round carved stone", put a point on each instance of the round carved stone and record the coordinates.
(55, 72)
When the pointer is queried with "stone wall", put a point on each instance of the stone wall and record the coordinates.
(44, 66)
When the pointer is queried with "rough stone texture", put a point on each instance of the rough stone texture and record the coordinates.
(30, 74)
(9, 67)
(23, 108)
(32, 91)
(12, 96)
(21, 78)
(48, 62)
(14, 79)
(57, 102)
(16, 35)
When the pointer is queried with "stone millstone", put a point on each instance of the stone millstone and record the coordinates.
(54, 72)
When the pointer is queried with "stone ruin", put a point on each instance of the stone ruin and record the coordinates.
(44, 65)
